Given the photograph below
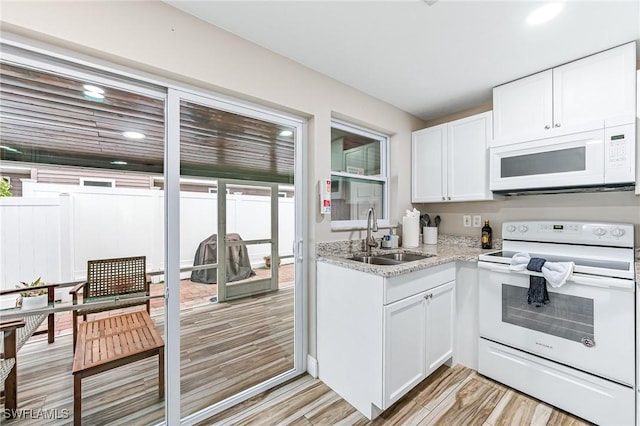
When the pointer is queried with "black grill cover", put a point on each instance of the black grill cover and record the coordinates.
(238, 266)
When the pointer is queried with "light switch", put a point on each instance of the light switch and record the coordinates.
(466, 220)
(477, 221)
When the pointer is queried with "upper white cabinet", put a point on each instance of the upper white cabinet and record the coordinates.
(450, 161)
(523, 109)
(583, 95)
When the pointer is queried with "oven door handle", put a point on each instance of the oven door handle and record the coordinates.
(580, 279)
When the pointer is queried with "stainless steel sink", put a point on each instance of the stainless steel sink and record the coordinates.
(404, 257)
(376, 260)
(390, 259)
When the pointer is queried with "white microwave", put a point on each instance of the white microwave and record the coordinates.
(603, 157)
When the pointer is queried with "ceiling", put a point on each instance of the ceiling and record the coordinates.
(427, 60)
(49, 118)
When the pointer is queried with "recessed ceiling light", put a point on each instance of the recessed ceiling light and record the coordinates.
(286, 133)
(133, 135)
(8, 148)
(93, 89)
(93, 96)
(93, 93)
(544, 13)
(118, 163)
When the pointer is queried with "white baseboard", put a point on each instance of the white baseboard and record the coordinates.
(312, 366)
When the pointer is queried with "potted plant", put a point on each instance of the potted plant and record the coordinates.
(5, 188)
(33, 299)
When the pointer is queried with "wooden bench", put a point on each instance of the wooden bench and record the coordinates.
(112, 342)
(105, 343)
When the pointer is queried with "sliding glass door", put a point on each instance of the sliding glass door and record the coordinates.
(105, 165)
(237, 283)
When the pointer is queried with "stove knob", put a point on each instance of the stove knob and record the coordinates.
(617, 232)
(523, 228)
(599, 232)
(511, 228)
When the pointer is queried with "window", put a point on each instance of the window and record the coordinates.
(359, 175)
(104, 183)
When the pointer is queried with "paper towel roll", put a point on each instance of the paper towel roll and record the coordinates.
(410, 231)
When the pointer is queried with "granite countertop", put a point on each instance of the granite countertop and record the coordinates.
(449, 249)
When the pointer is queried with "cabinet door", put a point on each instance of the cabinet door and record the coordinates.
(428, 158)
(404, 346)
(468, 158)
(522, 109)
(595, 90)
(440, 325)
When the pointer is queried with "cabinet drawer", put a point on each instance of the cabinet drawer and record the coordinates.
(397, 288)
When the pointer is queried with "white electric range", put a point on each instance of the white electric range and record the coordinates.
(578, 351)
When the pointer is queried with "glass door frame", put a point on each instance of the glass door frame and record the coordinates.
(172, 247)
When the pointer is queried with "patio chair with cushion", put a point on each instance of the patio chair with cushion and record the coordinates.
(108, 342)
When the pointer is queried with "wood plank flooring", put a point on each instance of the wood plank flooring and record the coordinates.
(225, 348)
(228, 347)
(450, 396)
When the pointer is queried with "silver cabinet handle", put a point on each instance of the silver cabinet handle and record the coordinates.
(557, 124)
(443, 198)
(428, 296)
(547, 127)
(448, 198)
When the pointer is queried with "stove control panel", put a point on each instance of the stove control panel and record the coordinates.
(592, 233)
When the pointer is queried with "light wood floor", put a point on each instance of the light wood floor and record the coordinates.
(228, 347)
(450, 396)
(225, 348)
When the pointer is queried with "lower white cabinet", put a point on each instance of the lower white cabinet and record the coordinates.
(378, 337)
(418, 339)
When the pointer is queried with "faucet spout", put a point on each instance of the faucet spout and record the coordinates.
(372, 226)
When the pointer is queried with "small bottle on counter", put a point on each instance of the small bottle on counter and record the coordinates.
(486, 235)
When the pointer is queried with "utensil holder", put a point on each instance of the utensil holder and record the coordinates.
(430, 235)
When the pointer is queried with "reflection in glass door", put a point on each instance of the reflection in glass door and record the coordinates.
(237, 293)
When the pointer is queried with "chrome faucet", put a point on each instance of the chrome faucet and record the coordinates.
(372, 225)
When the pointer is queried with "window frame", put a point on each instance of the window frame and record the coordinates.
(381, 216)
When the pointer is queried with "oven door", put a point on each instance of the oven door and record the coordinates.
(572, 160)
(587, 324)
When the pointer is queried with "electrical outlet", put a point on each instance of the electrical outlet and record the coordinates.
(477, 221)
(466, 220)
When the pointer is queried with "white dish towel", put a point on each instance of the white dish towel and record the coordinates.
(556, 273)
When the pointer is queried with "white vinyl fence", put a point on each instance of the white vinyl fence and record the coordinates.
(53, 230)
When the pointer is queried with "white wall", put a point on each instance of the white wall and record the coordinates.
(173, 44)
(605, 206)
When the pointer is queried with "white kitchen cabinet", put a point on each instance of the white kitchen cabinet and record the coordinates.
(583, 95)
(523, 109)
(418, 339)
(450, 161)
(378, 337)
(405, 344)
(440, 311)
(428, 158)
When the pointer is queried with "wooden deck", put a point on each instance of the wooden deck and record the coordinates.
(225, 348)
